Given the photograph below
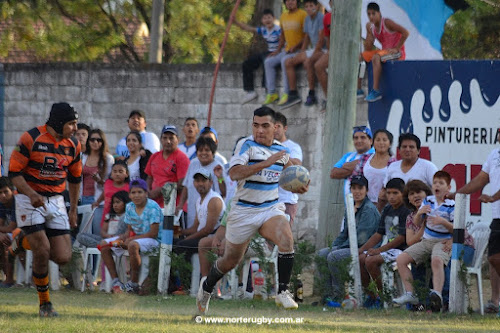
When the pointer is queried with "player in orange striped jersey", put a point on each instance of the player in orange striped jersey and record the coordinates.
(44, 159)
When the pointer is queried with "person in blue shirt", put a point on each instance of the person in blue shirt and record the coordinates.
(362, 139)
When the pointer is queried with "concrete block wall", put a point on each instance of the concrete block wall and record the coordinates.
(104, 95)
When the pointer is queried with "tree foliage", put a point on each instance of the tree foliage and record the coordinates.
(473, 33)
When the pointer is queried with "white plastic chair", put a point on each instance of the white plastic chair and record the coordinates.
(480, 232)
(195, 275)
(121, 269)
(390, 275)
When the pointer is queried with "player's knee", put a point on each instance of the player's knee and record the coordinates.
(62, 257)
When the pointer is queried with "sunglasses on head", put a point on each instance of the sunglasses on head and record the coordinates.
(95, 140)
(359, 129)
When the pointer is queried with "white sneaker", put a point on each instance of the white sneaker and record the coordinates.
(203, 298)
(250, 96)
(285, 299)
(243, 294)
(406, 298)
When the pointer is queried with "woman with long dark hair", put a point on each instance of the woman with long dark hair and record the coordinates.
(138, 158)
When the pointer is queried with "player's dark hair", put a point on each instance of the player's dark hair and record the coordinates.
(206, 141)
(281, 118)
(5, 182)
(192, 118)
(373, 6)
(265, 111)
(389, 136)
(409, 136)
(397, 184)
(415, 186)
(441, 174)
(83, 126)
(267, 11)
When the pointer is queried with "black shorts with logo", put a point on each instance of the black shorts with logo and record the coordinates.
(494, 241)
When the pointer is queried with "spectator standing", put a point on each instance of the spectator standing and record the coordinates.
(205, 150)
(82, 134)
(138, 156)
(210, 132)
(288, 198)
(168, 165)
(321, 64)
(137, 122)
(191, 129)
(311, 50)
(291, 38)
(362, 138)
(271, 33)
(392, 36)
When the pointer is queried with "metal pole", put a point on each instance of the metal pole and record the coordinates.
(458, 289)
(340, 111)
(169, 191)
(353, 245)
(156, 46)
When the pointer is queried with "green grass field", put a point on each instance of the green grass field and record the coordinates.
(99, 312)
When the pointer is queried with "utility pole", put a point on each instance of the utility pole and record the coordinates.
(155, 48)
(340, 112)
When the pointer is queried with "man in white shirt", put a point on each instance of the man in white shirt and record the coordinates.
(191, 129)
(137, 122)
(288, 198)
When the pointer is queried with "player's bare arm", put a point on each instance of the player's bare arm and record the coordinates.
(74, 193)
(22, 187)
(239, 172)
(476, 184)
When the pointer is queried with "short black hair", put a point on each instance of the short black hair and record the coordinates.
(192, 118)
(265, 111)
(315, 2)
(5, 182)
(298, 2)
(397, 184)
(267, 11)
(83, 126)
(281, 118)
(373, 6)
(206, 141)
(409, 136)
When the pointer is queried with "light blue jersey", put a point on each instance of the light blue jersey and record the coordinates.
(445, 210)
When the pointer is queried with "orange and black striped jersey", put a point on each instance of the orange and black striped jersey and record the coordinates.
(46, 163)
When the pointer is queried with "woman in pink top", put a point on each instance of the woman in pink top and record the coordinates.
(392, 36)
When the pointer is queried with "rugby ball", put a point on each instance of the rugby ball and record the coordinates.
(294, 177)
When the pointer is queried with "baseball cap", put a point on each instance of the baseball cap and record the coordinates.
(360, 180)
(203, 172)
(140, 183)
(139, 113)
(208, 130)
(170, 128)
(363, 129)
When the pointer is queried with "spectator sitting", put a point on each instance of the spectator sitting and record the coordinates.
(138, 156)
(118, 181)
(292, 35)
(322, 64)
(271, 33)
(436, 215)
(7, 226)
(392, 36)
(82, 134)
(143, 217)
(367, 221)
(191, 129)
(362, 138)
(205, 150)
(168, 165)
(374, 166)
(137, 122)
(210, 132)
(392, 224)
(113, 222)
(311, 50)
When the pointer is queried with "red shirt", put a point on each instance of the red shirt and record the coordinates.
(326, 24)
(162, 170)
(109, 191)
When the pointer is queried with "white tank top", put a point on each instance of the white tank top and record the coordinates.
(202, 209)
(375, 179)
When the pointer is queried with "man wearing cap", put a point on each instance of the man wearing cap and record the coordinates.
(210, 132)
(44, 158)
(168, 165)
(209, 210)
(137, 122)
(367, 220)
(362, 139)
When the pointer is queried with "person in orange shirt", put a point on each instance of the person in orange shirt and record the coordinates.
(44, 159)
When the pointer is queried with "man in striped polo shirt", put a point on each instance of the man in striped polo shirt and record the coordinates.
(256, 165)
(44, 159)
